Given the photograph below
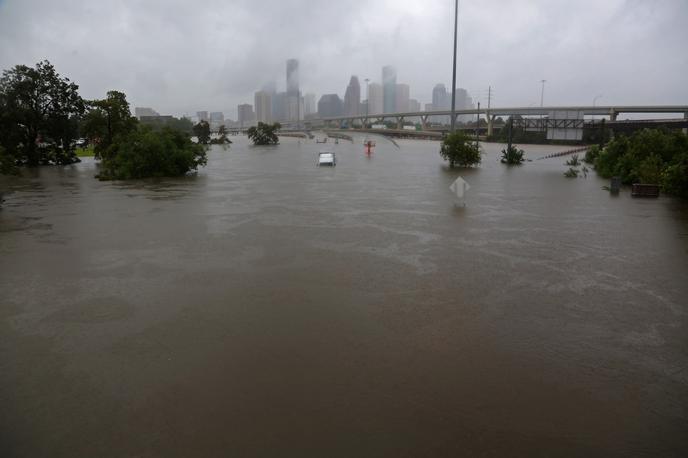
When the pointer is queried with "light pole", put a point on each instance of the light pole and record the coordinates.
(542, 93)
(453, 98)
(594, 99)
(367, 80)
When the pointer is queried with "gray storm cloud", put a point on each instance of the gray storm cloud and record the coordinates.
(180, 57)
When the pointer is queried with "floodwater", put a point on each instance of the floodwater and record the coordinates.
(266, 307)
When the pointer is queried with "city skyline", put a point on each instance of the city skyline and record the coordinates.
(628, 51)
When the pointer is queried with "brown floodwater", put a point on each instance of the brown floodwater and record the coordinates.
(266, 307)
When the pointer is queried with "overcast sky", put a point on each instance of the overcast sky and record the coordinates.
(183, 56)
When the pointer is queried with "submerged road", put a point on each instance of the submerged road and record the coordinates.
(267, 307)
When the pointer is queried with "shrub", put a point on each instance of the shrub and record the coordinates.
(264, 134)
(147, 153)
(574, 161)
(591, 154)
(512, 155)
(460, 150)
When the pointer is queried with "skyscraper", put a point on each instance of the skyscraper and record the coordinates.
(246, 115)
(309, 107)
(263, 104)
(217, 118)
(414, 105)
(202, 116)
(402, 98)
(376, 99)
(330, 105)
(292, 77)
(389, 87)
(352, 98)
(441, 101)
(293, 95)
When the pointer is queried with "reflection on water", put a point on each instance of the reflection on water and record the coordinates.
(268, 307)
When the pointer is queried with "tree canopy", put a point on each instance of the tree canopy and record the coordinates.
(106, 119)
(202, 132)
(145, 152)
(653, 156)
(39, 110)
(460, 150)
(264, 134)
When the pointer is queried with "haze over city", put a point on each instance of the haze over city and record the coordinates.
(179, 58)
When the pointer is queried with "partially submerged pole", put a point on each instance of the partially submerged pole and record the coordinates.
(453, 98)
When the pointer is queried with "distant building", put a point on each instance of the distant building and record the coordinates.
(217, 119)
(413, 106)
(402, 98)
(246, 114)
(145, 111)
(429, 107)
(202, 116)
(330, 105)
(156, 119)
(389, 87)
(279, 106)
(441, 101)
(292, 77)
(309, 106)
(263, 104)
(376, 99)
(352, 98)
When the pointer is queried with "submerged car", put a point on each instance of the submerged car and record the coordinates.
(327, 158)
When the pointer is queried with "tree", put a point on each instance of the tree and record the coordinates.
(106, 119)
(656, 156)
(264, 134)
(512, 155)
(460, 150)
(8, 164)
(222, 139)
(38, 112)
(145, 153)
(202, 132)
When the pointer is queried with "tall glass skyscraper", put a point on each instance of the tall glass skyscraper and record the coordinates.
(389, 88)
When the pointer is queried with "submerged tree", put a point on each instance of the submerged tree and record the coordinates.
(512, 155)
(264, 134)
(202, 132)
(145, 153)
(460, 150)
(38, 115)
(222, 138)
(107, 119)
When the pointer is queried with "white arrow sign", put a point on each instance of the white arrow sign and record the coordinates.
(459, 187)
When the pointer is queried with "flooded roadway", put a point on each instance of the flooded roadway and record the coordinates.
(266, 307)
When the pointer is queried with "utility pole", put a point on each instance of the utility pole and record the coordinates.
(453, 98)
(477, 126)
(542, 93)
(367, 80)
(489, 97)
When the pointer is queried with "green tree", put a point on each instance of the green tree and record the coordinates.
(145, 153)
(8, 164)
(38, 112)
(512, 155)
(460, 150)
(264, 134)
(202, 132)
(222, 139)
(106, 119)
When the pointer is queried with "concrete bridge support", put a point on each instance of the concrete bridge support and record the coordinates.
(685, 116)
(490, 124)
(424, 122)
(613, 114)
(400, 122)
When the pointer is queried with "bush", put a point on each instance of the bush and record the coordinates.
(591, 154)
(653, 156)
(512, 155)
(460, 150)
(574, 161)
(571, 173)
(264, 134)
(147, 153)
